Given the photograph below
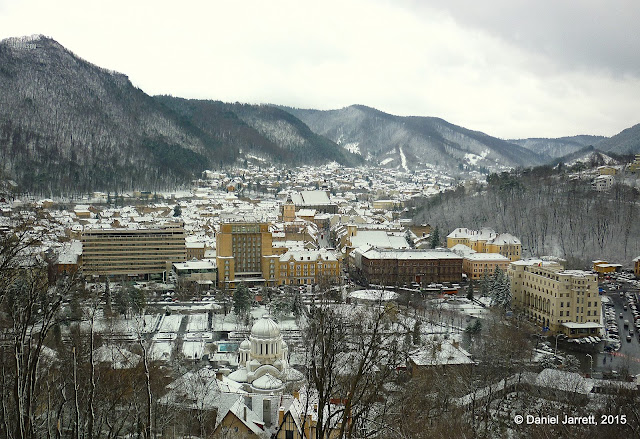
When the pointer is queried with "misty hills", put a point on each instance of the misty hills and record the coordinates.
(555, 148)
(67, 125)
(422, 140)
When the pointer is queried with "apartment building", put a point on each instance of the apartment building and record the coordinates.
(404, 267)
(564, 301)
(132, 252)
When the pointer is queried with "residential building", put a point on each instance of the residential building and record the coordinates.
(602, 183)
(635, 165)
(607, 170)
(563, 301)
(404, 267)
(195, 250)
(133, 252)
(603, 268)
(475, 265)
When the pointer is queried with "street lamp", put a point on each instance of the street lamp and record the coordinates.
(591, 370)
(555, 354)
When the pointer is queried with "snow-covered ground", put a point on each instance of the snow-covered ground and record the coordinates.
(403, 160)
(170, 323)
(197, 323)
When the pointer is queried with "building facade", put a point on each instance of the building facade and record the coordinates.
(487, 241)
(245, 254)
(564, 301)
(139, 252)
(308, 267)
(404, 267)
(475, 265)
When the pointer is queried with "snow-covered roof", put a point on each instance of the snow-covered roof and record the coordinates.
(375, 253)
(440, 355)
(495, 257)
(564, 381)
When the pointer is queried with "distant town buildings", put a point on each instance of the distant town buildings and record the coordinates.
(558, 300)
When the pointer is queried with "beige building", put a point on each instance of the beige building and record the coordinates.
(132, 252)
(245, 254)
(308, 267)
(486, 240)
(564, 301)
(474, 265)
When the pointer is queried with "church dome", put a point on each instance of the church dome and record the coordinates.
(245, 345)
(265, 328)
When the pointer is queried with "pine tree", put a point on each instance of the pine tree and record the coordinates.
(470, 290)
(435, 238)
(241, 300)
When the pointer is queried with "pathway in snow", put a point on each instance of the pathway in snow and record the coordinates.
(403, 159)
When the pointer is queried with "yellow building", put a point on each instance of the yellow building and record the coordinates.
(308, 267)
(607, 170)
(475, 265)
(132, 252)
(603, 268)
(635, 165)
(244, 254)
(636, 266)
(486, 240)
(564, 301)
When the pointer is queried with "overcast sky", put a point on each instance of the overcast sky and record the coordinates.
(509, 68)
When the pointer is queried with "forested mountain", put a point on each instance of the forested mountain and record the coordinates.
(266, 131)
(551, 211)
(556, 148)
(625, 142)
(409, 141)
(69, 126)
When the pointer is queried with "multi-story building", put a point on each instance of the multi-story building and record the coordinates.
(245, 254)
(141, 252)
(486, 240)
(308, 267)
(404, 267)
(636, 266)
(475, 265)
(562, 301)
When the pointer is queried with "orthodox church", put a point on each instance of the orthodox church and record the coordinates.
(263, 360)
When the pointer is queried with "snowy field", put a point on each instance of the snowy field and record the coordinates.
(170, 323)
(193, 349)
(197, 322)
(161, 350)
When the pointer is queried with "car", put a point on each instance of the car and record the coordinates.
(628, 338)
(621, 315)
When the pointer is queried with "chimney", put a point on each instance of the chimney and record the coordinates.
(244, 417)
(280, 415)
(296, 395)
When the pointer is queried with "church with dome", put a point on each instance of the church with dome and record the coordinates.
(263, 361)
